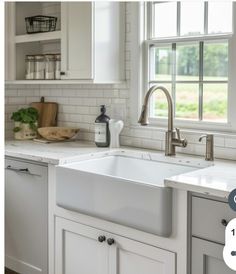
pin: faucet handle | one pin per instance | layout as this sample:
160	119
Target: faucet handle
178	133
183	142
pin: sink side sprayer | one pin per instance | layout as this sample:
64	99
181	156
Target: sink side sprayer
170	138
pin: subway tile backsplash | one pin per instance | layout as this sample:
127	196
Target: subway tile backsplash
79	106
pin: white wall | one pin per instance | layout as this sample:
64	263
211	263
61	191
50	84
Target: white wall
79	106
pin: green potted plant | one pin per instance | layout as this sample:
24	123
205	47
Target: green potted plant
26	120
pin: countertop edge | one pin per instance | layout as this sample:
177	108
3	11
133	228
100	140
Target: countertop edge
32	158
197	189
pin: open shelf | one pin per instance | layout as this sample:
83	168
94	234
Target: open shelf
38	37
69	82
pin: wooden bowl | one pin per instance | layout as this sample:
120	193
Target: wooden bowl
57	133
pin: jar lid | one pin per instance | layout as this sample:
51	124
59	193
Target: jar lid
29	57
49	56
57	56
39	57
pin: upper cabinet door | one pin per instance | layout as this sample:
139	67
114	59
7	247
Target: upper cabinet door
77	40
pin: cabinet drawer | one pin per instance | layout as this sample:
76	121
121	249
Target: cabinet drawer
207	216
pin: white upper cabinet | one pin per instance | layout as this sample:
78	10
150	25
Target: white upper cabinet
77	40
89	36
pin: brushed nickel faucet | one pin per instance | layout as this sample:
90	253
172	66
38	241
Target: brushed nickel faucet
170	138
209	146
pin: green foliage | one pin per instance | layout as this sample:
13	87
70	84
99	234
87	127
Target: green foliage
16	129
213	109
188	60
215	58
27	116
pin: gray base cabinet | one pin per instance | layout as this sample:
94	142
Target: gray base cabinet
209	217
207	258
80	250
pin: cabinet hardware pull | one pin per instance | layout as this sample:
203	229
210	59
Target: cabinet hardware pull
110	241
101	238
62	73
224	222
22	170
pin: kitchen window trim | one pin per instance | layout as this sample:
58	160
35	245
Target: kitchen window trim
139	65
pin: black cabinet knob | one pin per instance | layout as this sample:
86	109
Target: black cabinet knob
62	73
224	222
110	241
101	238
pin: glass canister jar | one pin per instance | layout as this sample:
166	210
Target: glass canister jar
49	66
29	67
57	66
39	67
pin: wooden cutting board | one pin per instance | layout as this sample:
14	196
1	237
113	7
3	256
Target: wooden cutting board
47	113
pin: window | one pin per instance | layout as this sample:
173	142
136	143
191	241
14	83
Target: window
188	53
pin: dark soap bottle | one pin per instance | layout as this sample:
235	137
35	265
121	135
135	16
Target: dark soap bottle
102	134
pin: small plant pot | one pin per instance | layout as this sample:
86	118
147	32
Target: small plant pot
24	132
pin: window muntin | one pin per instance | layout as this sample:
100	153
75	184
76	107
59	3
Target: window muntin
195	71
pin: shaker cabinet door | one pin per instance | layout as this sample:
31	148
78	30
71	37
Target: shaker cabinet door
78	250
132	257
77	40
207	258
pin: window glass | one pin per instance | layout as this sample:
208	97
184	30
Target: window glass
219	17
165	19
194	70
159	106
187	62
162	57
215	61
215	102
192	18
186	106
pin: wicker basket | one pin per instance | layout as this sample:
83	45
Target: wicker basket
40	23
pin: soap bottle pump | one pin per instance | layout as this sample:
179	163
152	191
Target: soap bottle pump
102	134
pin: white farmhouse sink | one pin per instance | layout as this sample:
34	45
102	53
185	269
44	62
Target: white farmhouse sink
121	188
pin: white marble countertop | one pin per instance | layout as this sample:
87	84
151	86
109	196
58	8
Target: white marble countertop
218	180
53	153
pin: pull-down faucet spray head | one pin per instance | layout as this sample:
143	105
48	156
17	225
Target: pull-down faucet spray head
143	119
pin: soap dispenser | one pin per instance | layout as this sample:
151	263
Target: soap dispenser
102	134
